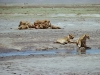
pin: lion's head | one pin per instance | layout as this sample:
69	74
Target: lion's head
23	27
87	36
71	36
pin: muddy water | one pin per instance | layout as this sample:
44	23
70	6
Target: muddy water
49	52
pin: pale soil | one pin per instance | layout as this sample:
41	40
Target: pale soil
12	39
32	39
60	65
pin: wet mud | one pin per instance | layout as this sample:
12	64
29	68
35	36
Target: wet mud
47	52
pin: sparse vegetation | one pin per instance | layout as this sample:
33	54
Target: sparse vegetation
50	10
47	11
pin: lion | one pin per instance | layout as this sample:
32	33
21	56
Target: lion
26	23
23	27
23	23
47	23
81	42
65	40
42	24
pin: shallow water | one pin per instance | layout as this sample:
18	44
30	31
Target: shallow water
49	52
89	51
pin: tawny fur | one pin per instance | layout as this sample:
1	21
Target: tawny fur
81	42
24	23
65	40
23	27
44	24
38	24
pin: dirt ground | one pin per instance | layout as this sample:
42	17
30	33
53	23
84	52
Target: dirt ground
12	39
37	39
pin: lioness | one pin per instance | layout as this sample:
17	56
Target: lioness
23	27
42	24
22	23
81	42
65	40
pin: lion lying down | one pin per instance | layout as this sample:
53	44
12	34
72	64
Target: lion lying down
38	24
44	24
65	40
41	24
24	25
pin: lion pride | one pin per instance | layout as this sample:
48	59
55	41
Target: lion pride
65	40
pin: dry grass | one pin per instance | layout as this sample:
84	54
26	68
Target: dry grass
51	9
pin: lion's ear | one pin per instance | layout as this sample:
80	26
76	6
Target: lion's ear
70	34
86	35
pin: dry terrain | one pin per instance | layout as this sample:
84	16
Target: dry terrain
72	20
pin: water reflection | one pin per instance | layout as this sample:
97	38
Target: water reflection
49	52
